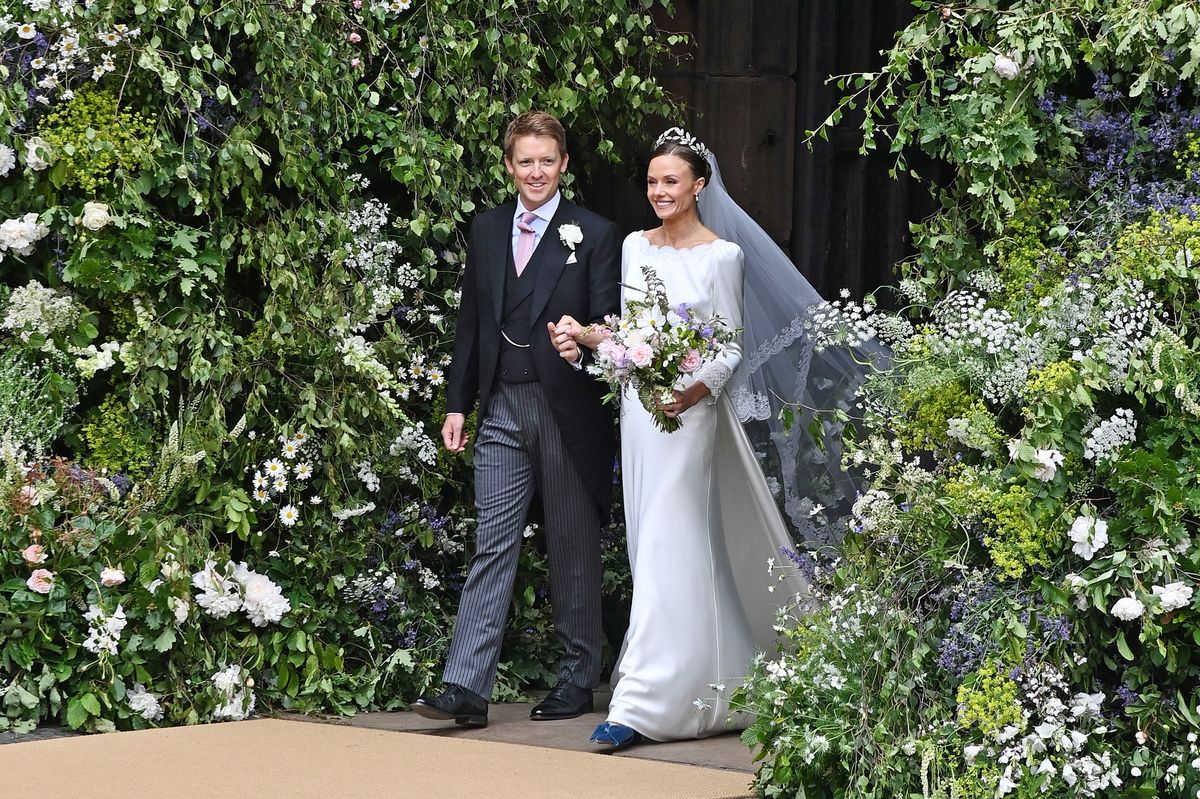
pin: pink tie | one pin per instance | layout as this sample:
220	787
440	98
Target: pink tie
525	242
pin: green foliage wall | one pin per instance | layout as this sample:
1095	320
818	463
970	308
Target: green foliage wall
233	235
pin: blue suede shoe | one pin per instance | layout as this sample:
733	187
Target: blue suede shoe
616	736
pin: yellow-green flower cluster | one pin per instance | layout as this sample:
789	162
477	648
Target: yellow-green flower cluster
989	702
1051	380
116	441
925	425
90	137
1022	252
1014	539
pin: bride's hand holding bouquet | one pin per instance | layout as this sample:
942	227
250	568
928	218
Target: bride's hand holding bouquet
652	349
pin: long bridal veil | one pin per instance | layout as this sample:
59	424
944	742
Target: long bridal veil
781	367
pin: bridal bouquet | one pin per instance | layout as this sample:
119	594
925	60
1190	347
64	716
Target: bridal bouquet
653	346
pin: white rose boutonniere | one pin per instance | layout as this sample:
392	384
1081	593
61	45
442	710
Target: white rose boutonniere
570	235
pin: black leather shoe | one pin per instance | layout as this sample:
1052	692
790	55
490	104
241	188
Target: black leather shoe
456	702
565	701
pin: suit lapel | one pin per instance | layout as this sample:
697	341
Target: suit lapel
499	248
551	256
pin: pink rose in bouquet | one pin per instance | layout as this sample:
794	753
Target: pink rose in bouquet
653	346
642	355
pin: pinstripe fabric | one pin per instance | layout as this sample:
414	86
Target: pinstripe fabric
517	451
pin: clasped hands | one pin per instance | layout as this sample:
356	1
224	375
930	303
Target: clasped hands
567	337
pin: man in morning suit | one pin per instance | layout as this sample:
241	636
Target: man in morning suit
542	424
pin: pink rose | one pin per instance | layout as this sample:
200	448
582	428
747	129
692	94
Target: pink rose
641	355
110	577
34	554
354	62
354	37
358	3
607	349
690	362
41	581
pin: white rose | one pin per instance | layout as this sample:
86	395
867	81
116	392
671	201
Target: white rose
570	235
37	154
1173	596
1128	608
1048	462
8	159
95	215
1006	67
1090	536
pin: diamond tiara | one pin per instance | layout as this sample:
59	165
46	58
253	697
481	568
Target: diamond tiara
681	136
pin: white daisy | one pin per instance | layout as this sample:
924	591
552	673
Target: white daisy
259	480
280	485
261	494
274	467
27	31
414	71
289	515
303	471
291	449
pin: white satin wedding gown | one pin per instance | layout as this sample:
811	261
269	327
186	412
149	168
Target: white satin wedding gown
700	526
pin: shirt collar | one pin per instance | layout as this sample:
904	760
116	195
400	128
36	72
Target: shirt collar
546	212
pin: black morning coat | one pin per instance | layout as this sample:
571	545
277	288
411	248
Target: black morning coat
587	290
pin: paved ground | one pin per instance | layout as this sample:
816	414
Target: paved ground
511	724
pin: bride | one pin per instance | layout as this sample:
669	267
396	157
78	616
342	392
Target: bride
701	521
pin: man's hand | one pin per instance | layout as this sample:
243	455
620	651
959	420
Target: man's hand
560	337
452	432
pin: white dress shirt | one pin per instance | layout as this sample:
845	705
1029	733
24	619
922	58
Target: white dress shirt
539	225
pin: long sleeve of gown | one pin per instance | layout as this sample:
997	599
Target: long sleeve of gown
727	304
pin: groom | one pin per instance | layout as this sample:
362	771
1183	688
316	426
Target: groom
542	426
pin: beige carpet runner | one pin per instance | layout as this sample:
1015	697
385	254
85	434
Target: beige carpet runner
273	757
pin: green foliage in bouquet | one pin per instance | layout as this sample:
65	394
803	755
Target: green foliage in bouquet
1014	611
231	239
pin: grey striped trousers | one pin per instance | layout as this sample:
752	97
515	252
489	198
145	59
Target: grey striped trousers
517	451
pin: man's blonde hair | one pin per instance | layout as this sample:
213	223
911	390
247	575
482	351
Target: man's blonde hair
535	123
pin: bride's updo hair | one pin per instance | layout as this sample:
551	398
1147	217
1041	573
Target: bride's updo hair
681	144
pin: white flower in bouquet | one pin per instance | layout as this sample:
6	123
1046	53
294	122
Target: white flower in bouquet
8	159
1173	596
144	703
1048	461
110	577
95	215
1128	608
1089	535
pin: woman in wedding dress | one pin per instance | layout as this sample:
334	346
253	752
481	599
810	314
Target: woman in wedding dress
692	526
702	524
